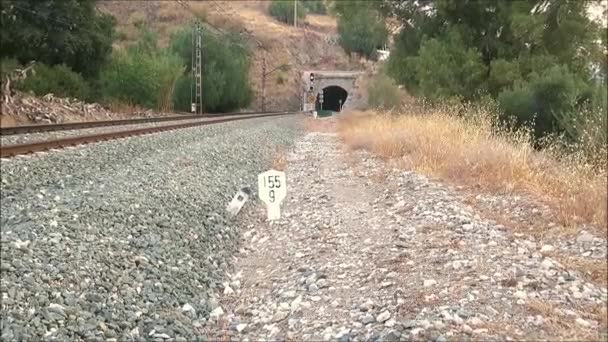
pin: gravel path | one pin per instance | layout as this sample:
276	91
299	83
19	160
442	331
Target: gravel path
366	253
127	239
36	137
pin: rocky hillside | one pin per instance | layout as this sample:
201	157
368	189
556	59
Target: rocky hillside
309	46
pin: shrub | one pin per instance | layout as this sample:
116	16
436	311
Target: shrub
73	33
383	93
59	80
282	10
363	32
547	101
141	78
226	65
314	6
446	67
281	78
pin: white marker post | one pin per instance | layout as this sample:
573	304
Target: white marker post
272	187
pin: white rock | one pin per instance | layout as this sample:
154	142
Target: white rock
456	264
546	264
295	304
582	322
386	284
236	284
584	237
416	331
429	282
520	295
241	327
217	312
284	307
475	321
289	294
188	308
279	316
383	317
547	249
228	291
390	323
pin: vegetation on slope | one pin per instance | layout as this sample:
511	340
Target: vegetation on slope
71	43
361	26
283	10
540	59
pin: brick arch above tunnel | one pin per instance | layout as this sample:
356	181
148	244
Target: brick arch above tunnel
332	81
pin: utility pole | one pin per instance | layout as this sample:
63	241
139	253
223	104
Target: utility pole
295	13
264	82
197	69
265	73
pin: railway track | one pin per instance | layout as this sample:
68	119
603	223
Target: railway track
8	151
25	129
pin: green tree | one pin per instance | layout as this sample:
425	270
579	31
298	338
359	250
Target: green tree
142	75
59	80
362	32
226	85
314	6
445	67
282	10
508	49
70	32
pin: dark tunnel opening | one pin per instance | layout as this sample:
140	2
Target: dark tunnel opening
333	98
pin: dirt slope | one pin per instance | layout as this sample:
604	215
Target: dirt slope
309	46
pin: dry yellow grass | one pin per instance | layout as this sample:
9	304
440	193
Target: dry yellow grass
280	160
438	143
564	328
326	125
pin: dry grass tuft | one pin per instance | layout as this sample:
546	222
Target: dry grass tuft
326	125
279	162
594	270
441	143
564	327
125	108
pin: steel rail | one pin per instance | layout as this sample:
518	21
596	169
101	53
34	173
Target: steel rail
20	149
25	129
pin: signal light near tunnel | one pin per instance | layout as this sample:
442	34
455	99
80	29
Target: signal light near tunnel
312	77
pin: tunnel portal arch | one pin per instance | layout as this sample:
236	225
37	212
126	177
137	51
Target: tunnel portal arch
334	98
336	85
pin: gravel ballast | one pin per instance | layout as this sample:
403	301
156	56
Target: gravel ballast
128	239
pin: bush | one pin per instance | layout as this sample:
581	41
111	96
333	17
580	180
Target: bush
226	85
73	33
281	78
59	80
145	79
551	101
383	93
282	10
363	32
142	75
446	68
315	6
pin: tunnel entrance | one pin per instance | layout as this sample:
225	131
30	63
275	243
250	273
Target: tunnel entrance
333	99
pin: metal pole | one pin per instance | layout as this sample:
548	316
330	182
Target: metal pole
192	68
264	83
295	13
199	69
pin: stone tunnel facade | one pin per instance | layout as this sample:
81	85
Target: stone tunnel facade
340	91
